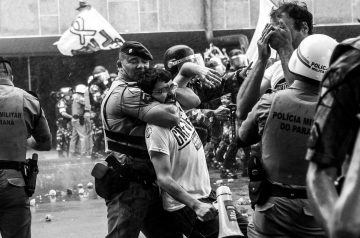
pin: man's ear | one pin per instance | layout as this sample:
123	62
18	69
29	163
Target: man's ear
304	28
118	64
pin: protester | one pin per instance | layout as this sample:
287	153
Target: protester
186	192
332	143
207	120
291	22
125	111
23	124
282	121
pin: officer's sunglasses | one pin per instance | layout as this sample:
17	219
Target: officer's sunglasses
170	88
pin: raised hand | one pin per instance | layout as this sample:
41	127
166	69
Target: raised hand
264	51
209	77
281	37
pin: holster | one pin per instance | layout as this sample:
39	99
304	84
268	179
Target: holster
114	177
259	186
30	171
108	179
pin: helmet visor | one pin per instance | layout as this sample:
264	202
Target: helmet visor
195	58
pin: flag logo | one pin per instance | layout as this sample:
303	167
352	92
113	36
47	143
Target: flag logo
88	33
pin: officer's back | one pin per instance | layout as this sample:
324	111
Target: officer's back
22	124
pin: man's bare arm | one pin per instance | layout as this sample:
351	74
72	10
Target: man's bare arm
346	219
185	96
165	115
249	92
321	191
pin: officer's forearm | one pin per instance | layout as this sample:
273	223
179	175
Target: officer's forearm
187	98
249	91
322	192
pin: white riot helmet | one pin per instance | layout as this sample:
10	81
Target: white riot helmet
80	88
311	59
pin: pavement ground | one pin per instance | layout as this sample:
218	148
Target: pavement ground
86	216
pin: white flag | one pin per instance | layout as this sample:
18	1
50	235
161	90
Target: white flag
89	32
264	17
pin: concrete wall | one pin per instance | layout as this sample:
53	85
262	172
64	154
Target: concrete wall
52	17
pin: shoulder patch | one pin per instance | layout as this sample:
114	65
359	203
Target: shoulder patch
148	132
134	89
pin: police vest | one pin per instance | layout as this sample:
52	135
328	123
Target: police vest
285	136
77	108
133	143
13	131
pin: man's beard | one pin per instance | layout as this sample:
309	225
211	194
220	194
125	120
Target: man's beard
170	99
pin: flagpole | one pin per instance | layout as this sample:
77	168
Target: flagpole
29	72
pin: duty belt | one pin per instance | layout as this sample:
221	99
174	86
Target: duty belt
292	193
4	164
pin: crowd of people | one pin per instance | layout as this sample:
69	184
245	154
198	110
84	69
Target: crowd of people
292	121
79	128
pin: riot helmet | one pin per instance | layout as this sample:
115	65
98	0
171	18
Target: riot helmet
311	59
99	76
80	88
177	55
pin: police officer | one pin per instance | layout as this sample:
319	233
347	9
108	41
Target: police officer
282	120
332	143
22	123
81	132
63	121
135	204
98	84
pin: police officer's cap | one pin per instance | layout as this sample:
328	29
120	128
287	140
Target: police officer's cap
135	48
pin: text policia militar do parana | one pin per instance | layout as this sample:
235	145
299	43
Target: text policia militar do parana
293	123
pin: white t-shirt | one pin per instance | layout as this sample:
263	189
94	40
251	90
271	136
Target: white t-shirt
275	75
187	159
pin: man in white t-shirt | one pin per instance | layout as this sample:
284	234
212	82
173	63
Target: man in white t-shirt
290	23
180	165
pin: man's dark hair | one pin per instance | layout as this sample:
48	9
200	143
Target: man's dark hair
297	11
149	77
